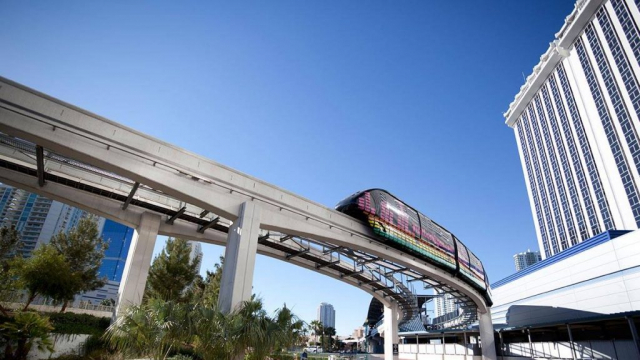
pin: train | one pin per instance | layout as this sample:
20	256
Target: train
399	225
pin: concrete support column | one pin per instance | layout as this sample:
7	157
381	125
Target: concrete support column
136	268
390	330
240	258
634	334
573	350
486	336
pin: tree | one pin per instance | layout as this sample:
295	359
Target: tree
152	329
108	302
157	328
20	333
47	273
83	249
290	327
205	291
255	328
328	342
172	272
10	244
317	328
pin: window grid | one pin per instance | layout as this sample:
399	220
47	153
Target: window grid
628	26
543	195
588	159
623	118
547	155
534	190
554	164
575	161
628	76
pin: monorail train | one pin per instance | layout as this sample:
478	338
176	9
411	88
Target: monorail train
399	225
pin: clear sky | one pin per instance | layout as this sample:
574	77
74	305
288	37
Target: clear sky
321	98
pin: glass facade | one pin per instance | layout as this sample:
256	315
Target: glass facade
119	237
25	211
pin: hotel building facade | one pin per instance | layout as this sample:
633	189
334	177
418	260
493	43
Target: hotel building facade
577	127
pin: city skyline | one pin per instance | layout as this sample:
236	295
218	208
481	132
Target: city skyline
318	109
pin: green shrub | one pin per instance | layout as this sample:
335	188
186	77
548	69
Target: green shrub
69	357
180	357
283	357
70	323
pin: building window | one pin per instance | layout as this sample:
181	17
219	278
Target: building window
628	26
588	159
542	152
607	121
551	116
551	246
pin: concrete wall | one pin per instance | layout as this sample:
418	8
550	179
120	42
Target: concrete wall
63	344
604	279
437	351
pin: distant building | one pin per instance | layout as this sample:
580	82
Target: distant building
358	333
445	305
36	217
577	125
196	252
525	259
327	315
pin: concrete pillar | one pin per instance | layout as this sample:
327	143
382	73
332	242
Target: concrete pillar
390	330
240	258
573	350
486	336
634	334
136	268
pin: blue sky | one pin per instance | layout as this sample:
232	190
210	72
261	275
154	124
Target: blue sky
322	98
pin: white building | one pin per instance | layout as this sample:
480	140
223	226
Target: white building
598	276
576	124
196	252
445	304
525	259
327	315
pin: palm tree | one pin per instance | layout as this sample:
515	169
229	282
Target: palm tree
317	328
153	329
158	328
214	334
254	328
290	328
331	332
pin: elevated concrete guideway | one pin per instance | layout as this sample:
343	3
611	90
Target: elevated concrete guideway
157	188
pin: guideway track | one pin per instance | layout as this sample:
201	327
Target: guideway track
182	179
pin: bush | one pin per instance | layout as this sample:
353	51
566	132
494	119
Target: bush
180	357
70	323
283	357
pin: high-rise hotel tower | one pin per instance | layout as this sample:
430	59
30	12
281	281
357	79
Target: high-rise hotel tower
577	126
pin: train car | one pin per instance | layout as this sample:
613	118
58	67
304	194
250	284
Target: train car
396	223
